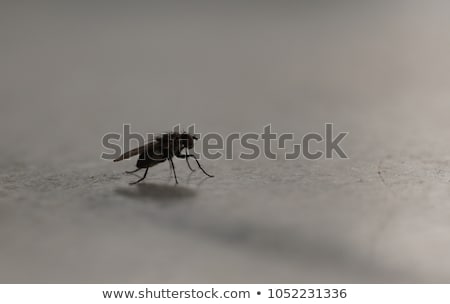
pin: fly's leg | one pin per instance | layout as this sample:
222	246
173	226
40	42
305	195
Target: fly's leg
201	168
141	179
131	172
187	161
198	163
173	168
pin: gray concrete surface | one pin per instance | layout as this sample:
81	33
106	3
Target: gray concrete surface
71	72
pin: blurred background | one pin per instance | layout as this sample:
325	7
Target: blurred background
71	71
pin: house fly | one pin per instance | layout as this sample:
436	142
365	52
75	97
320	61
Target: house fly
163	147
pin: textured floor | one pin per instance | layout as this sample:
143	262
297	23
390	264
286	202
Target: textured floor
71	73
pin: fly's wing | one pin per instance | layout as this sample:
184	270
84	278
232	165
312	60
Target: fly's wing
131	153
